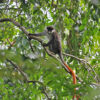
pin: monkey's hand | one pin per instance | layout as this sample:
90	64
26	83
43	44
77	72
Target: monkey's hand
30	36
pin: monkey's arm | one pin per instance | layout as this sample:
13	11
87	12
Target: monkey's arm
37	34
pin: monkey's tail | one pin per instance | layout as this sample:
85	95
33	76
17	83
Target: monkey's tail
69	69
71	72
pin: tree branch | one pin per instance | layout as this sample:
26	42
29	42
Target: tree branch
15	23
86	63
21	28
27	80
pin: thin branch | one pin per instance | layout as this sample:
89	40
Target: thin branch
27	80
96	84
11	43
79	59
18	68
10	8
31	46
84	62
96	77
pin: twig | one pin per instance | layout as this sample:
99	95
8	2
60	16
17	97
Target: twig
31	46
11	43
73	56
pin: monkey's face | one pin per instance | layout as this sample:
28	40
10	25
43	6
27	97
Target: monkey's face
50	29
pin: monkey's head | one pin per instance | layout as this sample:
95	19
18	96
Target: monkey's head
50	29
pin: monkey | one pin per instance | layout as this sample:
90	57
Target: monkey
54	45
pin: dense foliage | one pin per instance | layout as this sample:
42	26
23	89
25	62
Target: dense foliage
78	24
